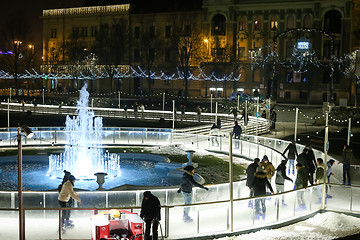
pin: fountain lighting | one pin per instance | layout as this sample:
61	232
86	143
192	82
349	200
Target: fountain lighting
84	154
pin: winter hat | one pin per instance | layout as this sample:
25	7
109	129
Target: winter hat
256	160
147	194
265	158
71	178
189	168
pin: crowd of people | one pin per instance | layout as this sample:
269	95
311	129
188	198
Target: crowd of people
309	171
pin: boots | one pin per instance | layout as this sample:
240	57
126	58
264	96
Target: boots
68	223
187	218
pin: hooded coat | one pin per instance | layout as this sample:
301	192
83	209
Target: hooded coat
281	174
269	169
250	172
67	191
188	181
302	178
259	184
347	156
320	175
150	208
292	151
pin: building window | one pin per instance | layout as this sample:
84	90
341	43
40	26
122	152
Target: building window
332	22
167	55
218	25
241	51
167	31
274	23
53	33
93	31
83	32
137	32
187	30
287	95
152	54
289	48
152	32
75	32
290	21
242	24
136	55
307	21
257	24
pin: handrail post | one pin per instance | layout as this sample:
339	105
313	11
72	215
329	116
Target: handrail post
167	222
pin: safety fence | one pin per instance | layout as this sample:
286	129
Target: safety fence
254	125
213	211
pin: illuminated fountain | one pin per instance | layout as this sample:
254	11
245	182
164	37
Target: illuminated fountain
84	155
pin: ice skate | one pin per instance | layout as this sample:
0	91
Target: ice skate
68	224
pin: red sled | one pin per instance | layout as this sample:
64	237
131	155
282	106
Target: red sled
117	224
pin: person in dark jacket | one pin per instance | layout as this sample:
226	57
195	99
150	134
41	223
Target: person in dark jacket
250	172
302	157
347	156
310	164
280	180
187	182
237	133
301	182
150	212
292	155
259	184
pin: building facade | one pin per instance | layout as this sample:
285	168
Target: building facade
288	50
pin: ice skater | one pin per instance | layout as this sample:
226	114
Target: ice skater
258	185
187	182
66	192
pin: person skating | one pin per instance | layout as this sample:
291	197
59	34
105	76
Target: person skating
66	192
150	212
214	133
301	182
250	174
237	133
347	157
329	173
187	182
310	163
280	180
258	185
320	177
292	155
268	166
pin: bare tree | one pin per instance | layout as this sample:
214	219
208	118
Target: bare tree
111	46
150	45
16	36
188	43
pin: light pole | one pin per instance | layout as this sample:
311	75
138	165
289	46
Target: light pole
28	133
273	85
17	55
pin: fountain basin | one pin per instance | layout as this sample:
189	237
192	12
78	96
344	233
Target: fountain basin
137	169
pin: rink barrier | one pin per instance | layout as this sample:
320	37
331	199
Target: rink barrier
248	147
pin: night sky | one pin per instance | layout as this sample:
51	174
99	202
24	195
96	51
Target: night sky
32	11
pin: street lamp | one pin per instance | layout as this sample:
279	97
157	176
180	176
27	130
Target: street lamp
28	133
273	84
207	48
17	44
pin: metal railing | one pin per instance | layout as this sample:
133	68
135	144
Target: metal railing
216	199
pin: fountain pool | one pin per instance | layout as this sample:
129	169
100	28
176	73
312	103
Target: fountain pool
136	169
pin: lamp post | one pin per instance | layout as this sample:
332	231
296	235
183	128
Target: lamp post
273	85
17	45
28	133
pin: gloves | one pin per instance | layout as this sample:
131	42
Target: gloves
206	188
179	190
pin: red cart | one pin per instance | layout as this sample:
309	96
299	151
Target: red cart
117	224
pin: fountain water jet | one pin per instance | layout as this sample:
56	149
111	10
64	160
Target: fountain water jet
84	155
